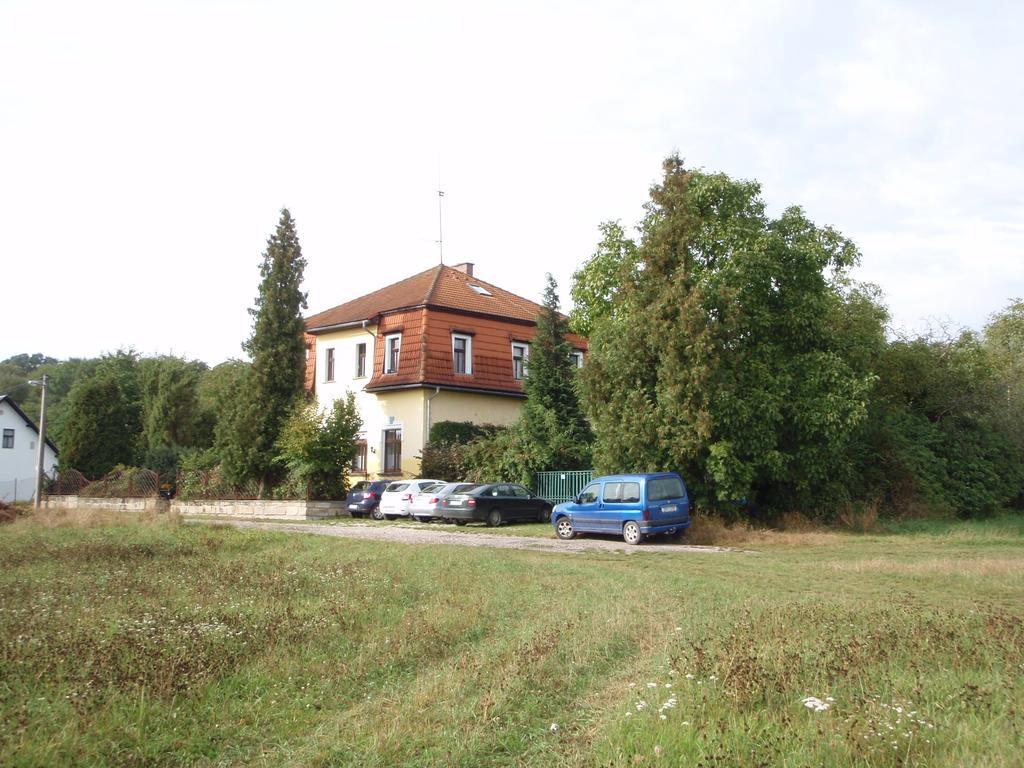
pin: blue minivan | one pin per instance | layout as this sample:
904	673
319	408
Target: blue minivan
631	506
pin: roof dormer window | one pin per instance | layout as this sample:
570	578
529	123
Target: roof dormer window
481	290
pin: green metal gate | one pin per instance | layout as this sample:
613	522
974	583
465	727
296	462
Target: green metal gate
557	487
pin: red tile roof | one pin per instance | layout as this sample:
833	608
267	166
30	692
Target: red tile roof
439	287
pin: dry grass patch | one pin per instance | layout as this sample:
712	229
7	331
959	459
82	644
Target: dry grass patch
989	566
710	530
94	518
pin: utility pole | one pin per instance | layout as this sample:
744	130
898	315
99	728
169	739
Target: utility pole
41	453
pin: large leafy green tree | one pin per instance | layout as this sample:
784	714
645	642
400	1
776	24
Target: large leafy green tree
171	418
248	433
719	354
101	426
1004	340
318	448
596	285
936	434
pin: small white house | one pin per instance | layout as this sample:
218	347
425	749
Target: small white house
19	438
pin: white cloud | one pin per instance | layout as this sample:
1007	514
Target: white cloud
146	148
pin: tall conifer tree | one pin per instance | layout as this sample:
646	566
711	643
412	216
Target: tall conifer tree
550	383
247	435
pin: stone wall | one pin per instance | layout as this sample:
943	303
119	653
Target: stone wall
261	509
148	504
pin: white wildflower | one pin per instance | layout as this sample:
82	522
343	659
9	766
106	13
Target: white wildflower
554	728
813	702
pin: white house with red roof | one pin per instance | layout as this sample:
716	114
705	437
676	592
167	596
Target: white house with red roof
442	345
19	438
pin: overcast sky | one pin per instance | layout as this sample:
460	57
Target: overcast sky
146	148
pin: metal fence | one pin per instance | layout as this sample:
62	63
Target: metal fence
127	483
561	486
66	483
18	489
210	484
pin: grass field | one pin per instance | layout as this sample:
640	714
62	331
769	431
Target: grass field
144	642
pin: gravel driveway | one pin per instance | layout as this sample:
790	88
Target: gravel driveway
421	534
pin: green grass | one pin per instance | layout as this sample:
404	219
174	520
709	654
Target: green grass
147	643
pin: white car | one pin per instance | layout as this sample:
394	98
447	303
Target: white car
394	502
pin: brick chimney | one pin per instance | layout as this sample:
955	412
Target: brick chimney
466	266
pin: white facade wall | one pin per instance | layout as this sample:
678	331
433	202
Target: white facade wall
18	464
371	409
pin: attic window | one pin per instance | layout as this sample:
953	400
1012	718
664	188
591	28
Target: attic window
481	290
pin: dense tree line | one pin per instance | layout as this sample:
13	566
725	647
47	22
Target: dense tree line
124	409
734	347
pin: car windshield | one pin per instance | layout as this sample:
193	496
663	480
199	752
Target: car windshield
471	488
432	487
396	487
661	488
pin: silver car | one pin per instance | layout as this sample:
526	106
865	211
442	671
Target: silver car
426	506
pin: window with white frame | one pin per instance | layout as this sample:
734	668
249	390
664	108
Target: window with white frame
577	358
520	354
462	354
329	364
392	350
361	360
8	438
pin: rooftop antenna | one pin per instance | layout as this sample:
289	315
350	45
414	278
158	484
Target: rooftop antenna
440	235
440	197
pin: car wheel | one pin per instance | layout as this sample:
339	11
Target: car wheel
631	533
423	519
564	529
377	514
460	522
544	516
494	518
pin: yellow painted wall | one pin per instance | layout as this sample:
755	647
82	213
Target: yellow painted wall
479	409
402	408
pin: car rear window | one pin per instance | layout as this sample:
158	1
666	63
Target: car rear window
432	487
396	487
622	493
361	486
661	488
